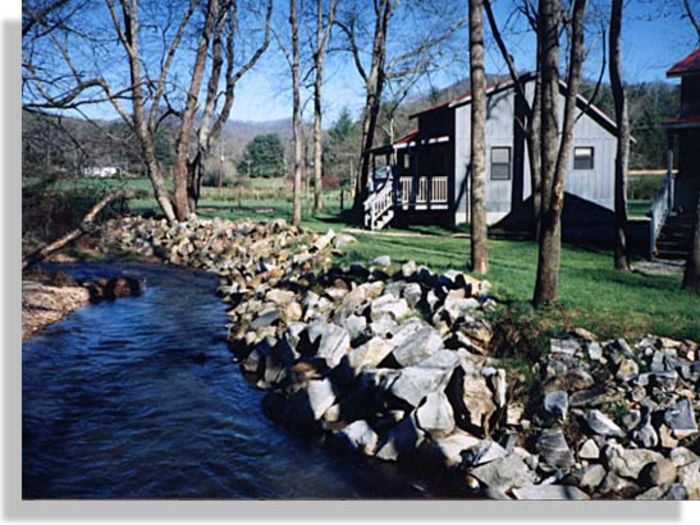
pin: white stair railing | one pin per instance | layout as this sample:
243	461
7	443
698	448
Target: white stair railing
378	207
659	211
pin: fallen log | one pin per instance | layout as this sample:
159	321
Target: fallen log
86	225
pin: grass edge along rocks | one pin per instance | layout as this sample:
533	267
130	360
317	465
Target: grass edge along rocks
401	366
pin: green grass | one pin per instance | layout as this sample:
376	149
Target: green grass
592	294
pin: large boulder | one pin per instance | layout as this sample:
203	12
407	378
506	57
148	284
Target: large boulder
435	415
554	450
431	375
505	473
472	400
325	340
308	404
370	354
420	346
358	436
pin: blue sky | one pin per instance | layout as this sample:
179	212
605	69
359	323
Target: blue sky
653	40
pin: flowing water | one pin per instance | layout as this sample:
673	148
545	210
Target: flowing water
139	398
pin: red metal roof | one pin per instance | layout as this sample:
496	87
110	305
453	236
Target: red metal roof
408	137
688	121
463	98
689	65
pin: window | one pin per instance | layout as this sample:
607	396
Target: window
500	163
406	160
583	158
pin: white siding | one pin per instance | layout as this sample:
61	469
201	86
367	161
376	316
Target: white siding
596	185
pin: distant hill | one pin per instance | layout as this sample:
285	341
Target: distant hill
237	133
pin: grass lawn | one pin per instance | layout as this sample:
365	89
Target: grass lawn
592	294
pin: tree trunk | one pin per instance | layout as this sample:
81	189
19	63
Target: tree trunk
555	154
691	277
621	259
85	226
533	136
550	234
322	38
479	249
318	145
296	117
374	85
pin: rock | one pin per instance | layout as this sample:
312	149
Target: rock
418	347
417	381
689	477
549	492
413	294
629	462
602	424
556	403
452	279
616	484
358	436
594	351
408	270
451	447
645	434
589	450
459	308
666	437
435	415
682	456
631	419
280	297
676	492
370	354
483	452
343	240
504	473
309	403
564	346
554	450
323	241
330	341
384	327
389	305
266	318
402	440
355	325
627	370
472	401
592	476
382	260
660	472
654	493
680	418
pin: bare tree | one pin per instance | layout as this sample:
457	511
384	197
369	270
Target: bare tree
155	67
531	126
691	276
555	152
477	77
693	17
434	25
621	259
297	137
223	59
324	23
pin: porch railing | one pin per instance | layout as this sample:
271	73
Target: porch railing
424	190
379	205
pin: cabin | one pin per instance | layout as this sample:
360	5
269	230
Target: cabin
424	176
673	210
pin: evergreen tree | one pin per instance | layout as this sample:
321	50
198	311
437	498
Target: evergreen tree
263	157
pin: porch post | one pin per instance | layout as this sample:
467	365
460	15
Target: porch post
669	171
